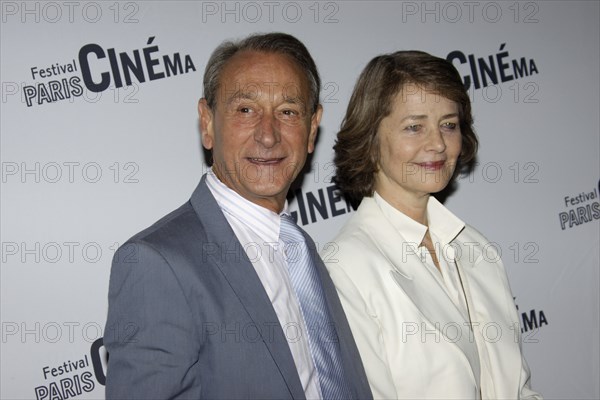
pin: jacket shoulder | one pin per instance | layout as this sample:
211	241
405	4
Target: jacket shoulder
175	236
352	238
472	234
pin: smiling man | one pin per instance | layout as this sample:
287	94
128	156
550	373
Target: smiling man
261	126
226	298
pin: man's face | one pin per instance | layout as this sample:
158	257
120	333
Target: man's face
262	126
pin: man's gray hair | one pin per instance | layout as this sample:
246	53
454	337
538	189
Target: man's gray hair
278	43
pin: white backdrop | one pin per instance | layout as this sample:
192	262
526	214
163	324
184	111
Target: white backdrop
82	171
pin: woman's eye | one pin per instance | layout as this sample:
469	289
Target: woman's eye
450	125
245	110
413	128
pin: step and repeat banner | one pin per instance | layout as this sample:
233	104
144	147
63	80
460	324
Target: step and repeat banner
100	138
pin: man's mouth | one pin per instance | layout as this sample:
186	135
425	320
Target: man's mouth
265	161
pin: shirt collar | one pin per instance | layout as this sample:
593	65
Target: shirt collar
443	224
264	222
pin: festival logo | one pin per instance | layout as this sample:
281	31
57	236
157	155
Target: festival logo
97	69
581	208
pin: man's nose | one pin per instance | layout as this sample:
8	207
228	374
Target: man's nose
267	132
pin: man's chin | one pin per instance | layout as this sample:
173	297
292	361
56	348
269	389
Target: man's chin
266	190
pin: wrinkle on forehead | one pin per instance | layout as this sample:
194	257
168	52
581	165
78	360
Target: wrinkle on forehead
249	74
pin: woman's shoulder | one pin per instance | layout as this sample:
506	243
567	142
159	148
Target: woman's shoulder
352	240
354	243
477	249
359	228
471	234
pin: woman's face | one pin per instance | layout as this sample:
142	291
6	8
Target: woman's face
419	144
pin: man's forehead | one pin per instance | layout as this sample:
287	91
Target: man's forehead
285	93
269	66
251	74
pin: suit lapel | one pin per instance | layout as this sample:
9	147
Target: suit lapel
418	284
246	284
352	364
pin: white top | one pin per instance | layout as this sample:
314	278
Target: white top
443	228
408	319
406	353
257	229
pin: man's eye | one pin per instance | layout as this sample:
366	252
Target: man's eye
245	110
290	112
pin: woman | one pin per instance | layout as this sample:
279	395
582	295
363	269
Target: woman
428	302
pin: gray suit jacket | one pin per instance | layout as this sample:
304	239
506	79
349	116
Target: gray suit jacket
189	318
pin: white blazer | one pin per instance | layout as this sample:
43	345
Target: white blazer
391	299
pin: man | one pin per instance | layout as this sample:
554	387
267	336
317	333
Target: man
211	304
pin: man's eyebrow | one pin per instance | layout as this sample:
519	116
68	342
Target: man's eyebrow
241	95
251	95
294	100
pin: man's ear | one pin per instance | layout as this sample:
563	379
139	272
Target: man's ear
315	120
206	124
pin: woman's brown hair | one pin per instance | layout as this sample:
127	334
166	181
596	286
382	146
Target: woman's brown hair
357	146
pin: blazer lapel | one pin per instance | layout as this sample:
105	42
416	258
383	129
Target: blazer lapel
246	284
440	311
419	285
353	365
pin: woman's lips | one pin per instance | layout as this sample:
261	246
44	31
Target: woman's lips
432	165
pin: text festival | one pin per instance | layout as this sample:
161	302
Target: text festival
587	210
68	386
123	68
